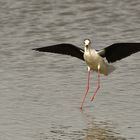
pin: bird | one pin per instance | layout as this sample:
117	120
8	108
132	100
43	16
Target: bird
96	60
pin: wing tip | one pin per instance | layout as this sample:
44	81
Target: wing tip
38	49
35	49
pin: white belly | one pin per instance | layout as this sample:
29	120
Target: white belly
93	60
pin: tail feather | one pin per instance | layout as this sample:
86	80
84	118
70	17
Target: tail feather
110	68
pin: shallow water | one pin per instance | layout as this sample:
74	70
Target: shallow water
41	93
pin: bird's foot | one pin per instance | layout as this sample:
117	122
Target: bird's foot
81	107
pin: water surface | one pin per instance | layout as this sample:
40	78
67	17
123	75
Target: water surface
41	93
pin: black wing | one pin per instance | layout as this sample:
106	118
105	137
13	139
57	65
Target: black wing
119	51
66	49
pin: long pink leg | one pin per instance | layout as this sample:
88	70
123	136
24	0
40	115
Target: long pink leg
98	84
87	89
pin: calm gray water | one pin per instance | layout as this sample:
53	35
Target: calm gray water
40	93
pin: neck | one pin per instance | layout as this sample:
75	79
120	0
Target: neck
86	48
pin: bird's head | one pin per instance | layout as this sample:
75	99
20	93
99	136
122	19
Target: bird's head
87	43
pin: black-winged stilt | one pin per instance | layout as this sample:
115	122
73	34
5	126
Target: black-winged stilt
94	58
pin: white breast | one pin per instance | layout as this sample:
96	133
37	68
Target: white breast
93	59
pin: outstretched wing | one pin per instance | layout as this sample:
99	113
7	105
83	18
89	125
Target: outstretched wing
66	49
119	51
